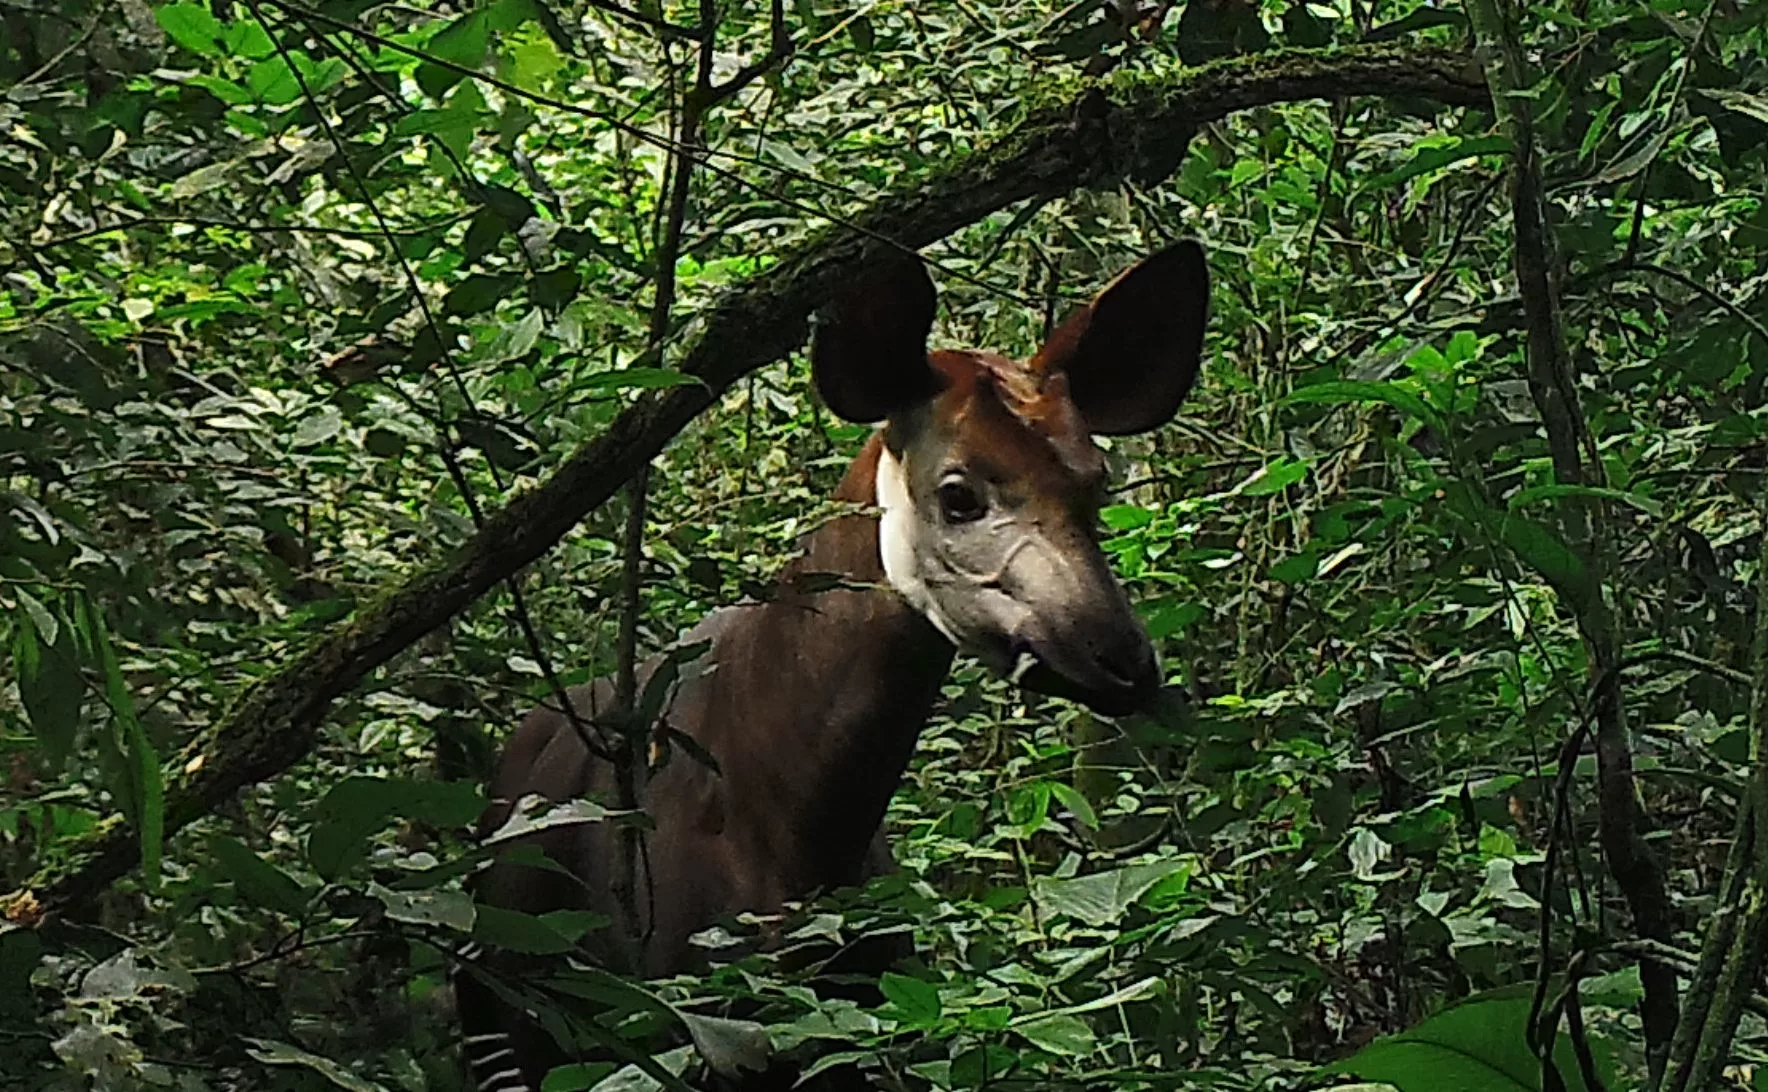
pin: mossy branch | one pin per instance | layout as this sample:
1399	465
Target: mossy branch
1081	135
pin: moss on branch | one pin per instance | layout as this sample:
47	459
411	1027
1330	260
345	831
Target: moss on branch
1075	134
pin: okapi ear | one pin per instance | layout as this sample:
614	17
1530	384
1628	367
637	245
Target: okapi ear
869	355
1132	354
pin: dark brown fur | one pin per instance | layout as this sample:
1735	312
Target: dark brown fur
810	748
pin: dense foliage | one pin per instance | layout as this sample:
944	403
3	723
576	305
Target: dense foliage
293	298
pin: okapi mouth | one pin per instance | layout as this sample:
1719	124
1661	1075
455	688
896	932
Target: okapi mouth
1101	684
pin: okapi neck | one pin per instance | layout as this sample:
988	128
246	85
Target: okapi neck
866	675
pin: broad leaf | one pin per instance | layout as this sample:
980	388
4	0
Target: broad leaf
1102	898
1479	1045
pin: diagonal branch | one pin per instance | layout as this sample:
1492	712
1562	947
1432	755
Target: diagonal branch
1135	129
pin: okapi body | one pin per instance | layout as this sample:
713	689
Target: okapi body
983	486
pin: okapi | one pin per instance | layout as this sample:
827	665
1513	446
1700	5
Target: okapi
983	487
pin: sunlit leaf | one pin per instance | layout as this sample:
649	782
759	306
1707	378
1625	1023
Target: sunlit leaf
273	1052
914	1001
1063	1035
1102	897
191	26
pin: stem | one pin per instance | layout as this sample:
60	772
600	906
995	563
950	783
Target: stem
632	753
1731	957
1553	388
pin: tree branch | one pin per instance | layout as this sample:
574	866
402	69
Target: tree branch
1136	129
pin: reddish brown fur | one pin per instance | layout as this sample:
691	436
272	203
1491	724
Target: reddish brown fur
1040	436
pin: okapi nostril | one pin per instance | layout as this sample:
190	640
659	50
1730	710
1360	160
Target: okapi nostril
1130	668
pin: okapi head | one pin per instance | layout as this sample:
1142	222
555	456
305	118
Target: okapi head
989	480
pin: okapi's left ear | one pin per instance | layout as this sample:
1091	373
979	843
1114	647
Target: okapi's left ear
1131	355
869	356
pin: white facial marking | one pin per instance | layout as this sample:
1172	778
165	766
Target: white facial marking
897	544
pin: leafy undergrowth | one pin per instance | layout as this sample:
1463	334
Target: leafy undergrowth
286	307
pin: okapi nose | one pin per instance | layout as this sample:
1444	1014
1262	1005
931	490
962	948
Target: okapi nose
1129	664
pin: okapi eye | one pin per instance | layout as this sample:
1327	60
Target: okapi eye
959	503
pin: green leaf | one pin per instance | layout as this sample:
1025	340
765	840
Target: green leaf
1135	991
49	685
1346	391
273	82
576	1077
1597	129
507	203
226	90
545	934
1068	1036
502	446
523	335
729	1046
203	179
448	909
864	36
1103	897
256	879
191	26
1541	549
916	1003
319	427
1027	805
1275	478
1125	517
272	1052
1742	102
321	76
647	378
508	15
140	785
1436	156
464	41
570	813
1169	616
441	122
978	1066
788	155
482	234
479	292
1629	165
534	61
1534	544
383	443
1296	568
1071	799
46	624
555	288
1421	19
1615	990
248	39
357	807
1479	1045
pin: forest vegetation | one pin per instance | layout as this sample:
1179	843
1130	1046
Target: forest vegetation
370	371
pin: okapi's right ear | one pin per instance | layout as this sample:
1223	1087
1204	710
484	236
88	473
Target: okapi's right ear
869	355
